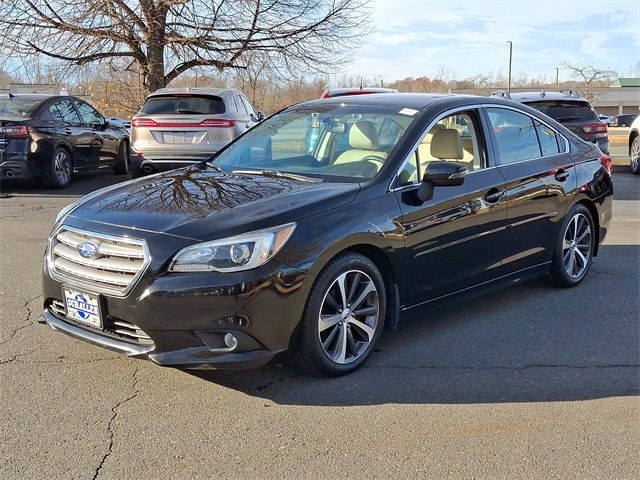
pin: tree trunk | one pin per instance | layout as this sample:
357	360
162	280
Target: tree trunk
154	67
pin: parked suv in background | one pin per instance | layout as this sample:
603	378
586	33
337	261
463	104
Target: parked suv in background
634	146
623	120
180	126
570	109
51	137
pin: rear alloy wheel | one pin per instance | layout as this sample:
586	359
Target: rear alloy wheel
574	253
122	162
60	170
344	316
635	156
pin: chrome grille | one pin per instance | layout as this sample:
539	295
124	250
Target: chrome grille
116	327
119	263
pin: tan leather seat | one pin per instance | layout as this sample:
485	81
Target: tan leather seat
363	140
446	144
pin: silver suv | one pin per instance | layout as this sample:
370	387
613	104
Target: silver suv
179	126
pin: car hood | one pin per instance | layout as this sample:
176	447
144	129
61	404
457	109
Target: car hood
206	204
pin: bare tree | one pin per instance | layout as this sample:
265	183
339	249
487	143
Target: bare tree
164	38
589	74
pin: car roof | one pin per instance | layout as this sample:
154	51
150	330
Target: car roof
416	101
216	92
542	95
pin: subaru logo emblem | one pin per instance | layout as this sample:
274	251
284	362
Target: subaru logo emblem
88	250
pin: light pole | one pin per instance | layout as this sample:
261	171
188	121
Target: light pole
510	56
557	79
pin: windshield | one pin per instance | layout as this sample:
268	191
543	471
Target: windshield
566	111
17	107
183	104
340	142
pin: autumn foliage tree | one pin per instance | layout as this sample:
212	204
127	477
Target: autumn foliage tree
161	39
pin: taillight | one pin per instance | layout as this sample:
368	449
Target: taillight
218	123
15	131
595	128
143	122
606	162
211	122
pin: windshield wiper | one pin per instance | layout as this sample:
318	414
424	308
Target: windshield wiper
188	111
276	174
210	164
565	119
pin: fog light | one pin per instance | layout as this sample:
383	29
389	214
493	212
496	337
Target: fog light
230	341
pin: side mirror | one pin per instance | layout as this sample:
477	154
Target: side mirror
261	116
440	174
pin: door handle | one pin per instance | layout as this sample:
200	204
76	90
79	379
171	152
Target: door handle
67	131
561	175
494	195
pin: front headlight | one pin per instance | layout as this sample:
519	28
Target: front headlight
233	254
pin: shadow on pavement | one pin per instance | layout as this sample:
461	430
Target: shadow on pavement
528	343
82	184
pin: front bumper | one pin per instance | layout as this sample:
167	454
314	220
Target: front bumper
198	357
184	317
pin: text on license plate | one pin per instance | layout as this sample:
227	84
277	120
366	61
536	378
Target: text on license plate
82	307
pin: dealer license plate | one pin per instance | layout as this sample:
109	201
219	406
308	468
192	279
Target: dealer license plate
82	307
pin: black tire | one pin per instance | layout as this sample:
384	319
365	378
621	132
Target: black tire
634	156
568	267
356	334
60	169
622	124
122	163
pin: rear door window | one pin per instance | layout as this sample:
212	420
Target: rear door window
548	139
515	135
566	111
183	105
90	115
63	111
247	106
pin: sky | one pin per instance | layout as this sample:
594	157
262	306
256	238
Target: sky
418	37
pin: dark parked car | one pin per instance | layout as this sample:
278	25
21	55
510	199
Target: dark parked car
51	137
571	110
623	120
405	199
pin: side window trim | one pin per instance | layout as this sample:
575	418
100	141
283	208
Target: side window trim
498	160
394	186
565	143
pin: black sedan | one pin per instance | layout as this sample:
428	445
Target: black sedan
50	137
402	200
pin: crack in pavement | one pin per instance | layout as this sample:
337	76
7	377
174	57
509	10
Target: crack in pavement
111	427
516	367
614	274
17	356
27	319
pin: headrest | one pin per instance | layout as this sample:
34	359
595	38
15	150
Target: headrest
363	136
446	143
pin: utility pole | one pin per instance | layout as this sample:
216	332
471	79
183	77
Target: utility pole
510	56
557	79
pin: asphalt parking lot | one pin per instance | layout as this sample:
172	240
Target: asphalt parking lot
528	382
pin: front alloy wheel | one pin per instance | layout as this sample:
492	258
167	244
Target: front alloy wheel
348	317
344	316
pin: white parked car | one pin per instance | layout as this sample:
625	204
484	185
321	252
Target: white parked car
634	146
